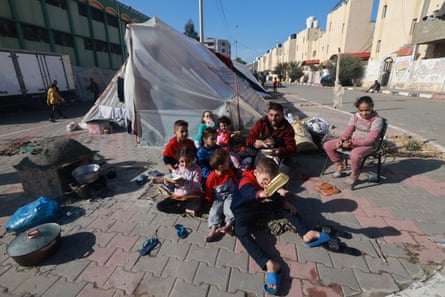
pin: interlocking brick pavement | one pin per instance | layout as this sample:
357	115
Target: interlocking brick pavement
392	224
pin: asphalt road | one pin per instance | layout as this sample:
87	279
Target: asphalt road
419	117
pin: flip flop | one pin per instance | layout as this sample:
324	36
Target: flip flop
333	232
337	246
332	191
149	245
181	231
272	278
324	187
324	237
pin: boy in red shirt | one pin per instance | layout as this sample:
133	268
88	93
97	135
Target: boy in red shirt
180	130
219	188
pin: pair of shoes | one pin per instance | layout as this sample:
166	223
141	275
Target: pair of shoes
274	279
181	231
331	191
149	245
337	246
323	238
333	232
324	186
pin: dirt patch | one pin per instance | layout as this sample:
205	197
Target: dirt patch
407	146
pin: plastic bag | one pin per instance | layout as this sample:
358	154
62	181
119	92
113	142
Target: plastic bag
40	211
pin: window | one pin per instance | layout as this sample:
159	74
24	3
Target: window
59	3
97	15
385	8
88	44
34	33
112	20
64	39
82	9
377	47
116	49
7	28
101	46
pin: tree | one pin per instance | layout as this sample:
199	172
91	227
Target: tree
281	70
189	30
351	70
295	71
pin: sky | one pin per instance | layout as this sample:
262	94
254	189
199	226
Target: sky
251	26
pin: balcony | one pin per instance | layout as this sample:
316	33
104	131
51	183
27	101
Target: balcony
429	31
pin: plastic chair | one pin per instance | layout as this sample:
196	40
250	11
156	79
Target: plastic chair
378	153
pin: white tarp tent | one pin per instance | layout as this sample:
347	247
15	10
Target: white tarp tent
169	76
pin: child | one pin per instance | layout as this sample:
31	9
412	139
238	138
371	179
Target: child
237	163
207	121
219	188
180	130
204	152
224	132
186	196
248	206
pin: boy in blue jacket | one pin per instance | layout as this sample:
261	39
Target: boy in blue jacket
249	205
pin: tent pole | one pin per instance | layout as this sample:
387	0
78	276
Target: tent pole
237	101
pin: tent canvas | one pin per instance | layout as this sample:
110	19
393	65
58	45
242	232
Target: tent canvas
169	76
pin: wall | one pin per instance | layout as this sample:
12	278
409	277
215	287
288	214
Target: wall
420	75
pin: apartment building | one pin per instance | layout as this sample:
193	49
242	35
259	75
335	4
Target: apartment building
90	31
348	28
405	45
414	57
219	45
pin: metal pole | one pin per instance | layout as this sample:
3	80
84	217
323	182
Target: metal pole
201	22
236	41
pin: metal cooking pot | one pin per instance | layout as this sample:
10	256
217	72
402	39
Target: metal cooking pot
86	174
34	245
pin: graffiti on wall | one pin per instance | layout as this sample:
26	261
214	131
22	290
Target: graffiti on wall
401	70
419	74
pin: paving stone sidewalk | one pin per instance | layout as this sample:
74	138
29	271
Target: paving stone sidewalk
395	224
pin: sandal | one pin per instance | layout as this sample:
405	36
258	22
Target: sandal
334	232
181	231
272	278
337	174
350	181
323	238
337	246
332	191
149	245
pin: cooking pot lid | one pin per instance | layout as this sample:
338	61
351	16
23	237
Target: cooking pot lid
33	239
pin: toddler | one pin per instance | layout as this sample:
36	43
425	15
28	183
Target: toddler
186	195
224	132
219	188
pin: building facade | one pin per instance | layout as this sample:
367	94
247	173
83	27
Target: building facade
404	47
414	58
348	28
219	45
90	31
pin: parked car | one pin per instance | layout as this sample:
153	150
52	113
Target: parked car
327	81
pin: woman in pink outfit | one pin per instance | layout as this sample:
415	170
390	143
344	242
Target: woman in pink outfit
360	137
